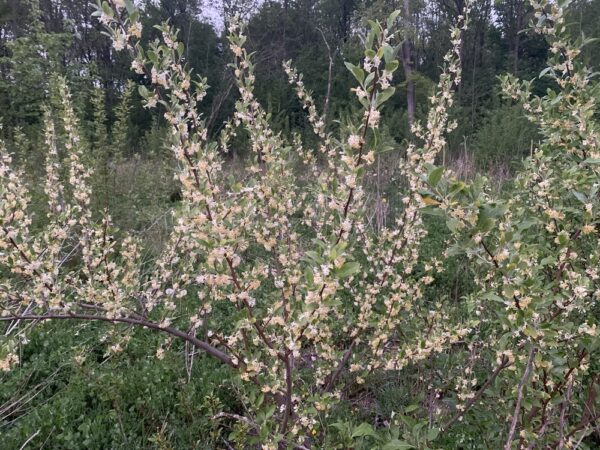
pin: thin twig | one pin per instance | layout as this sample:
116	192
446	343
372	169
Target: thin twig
503	365
237	417
29	439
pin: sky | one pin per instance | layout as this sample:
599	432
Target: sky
212	11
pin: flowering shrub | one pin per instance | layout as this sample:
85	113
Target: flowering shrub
314	298
537	251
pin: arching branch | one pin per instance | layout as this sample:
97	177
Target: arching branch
206	347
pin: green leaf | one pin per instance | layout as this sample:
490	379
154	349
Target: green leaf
348	269
338	248
358	73
143	90
308	274
369	53
457	186
494	297
129	6
319	243
544	72
385	149
364	429
313	256
375	27
435	176
452	225
392	66
260	399
557	99
529	331
526	224
338	426
579	196
396	445
388	53
385	95
392	18
269	412
491	212
106	9
432	211
411	408
370	39
432	434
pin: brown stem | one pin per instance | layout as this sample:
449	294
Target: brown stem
583	424
580	357
522	383
260	330
360	151
563	415
491	255
497	266
288	393
335	375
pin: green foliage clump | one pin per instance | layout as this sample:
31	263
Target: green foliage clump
72	392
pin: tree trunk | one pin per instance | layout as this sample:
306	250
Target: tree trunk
519	25
331	55
408	65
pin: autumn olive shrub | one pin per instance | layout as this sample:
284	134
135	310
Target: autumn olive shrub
316	300
538	254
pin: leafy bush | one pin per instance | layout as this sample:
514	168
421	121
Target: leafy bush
278	276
